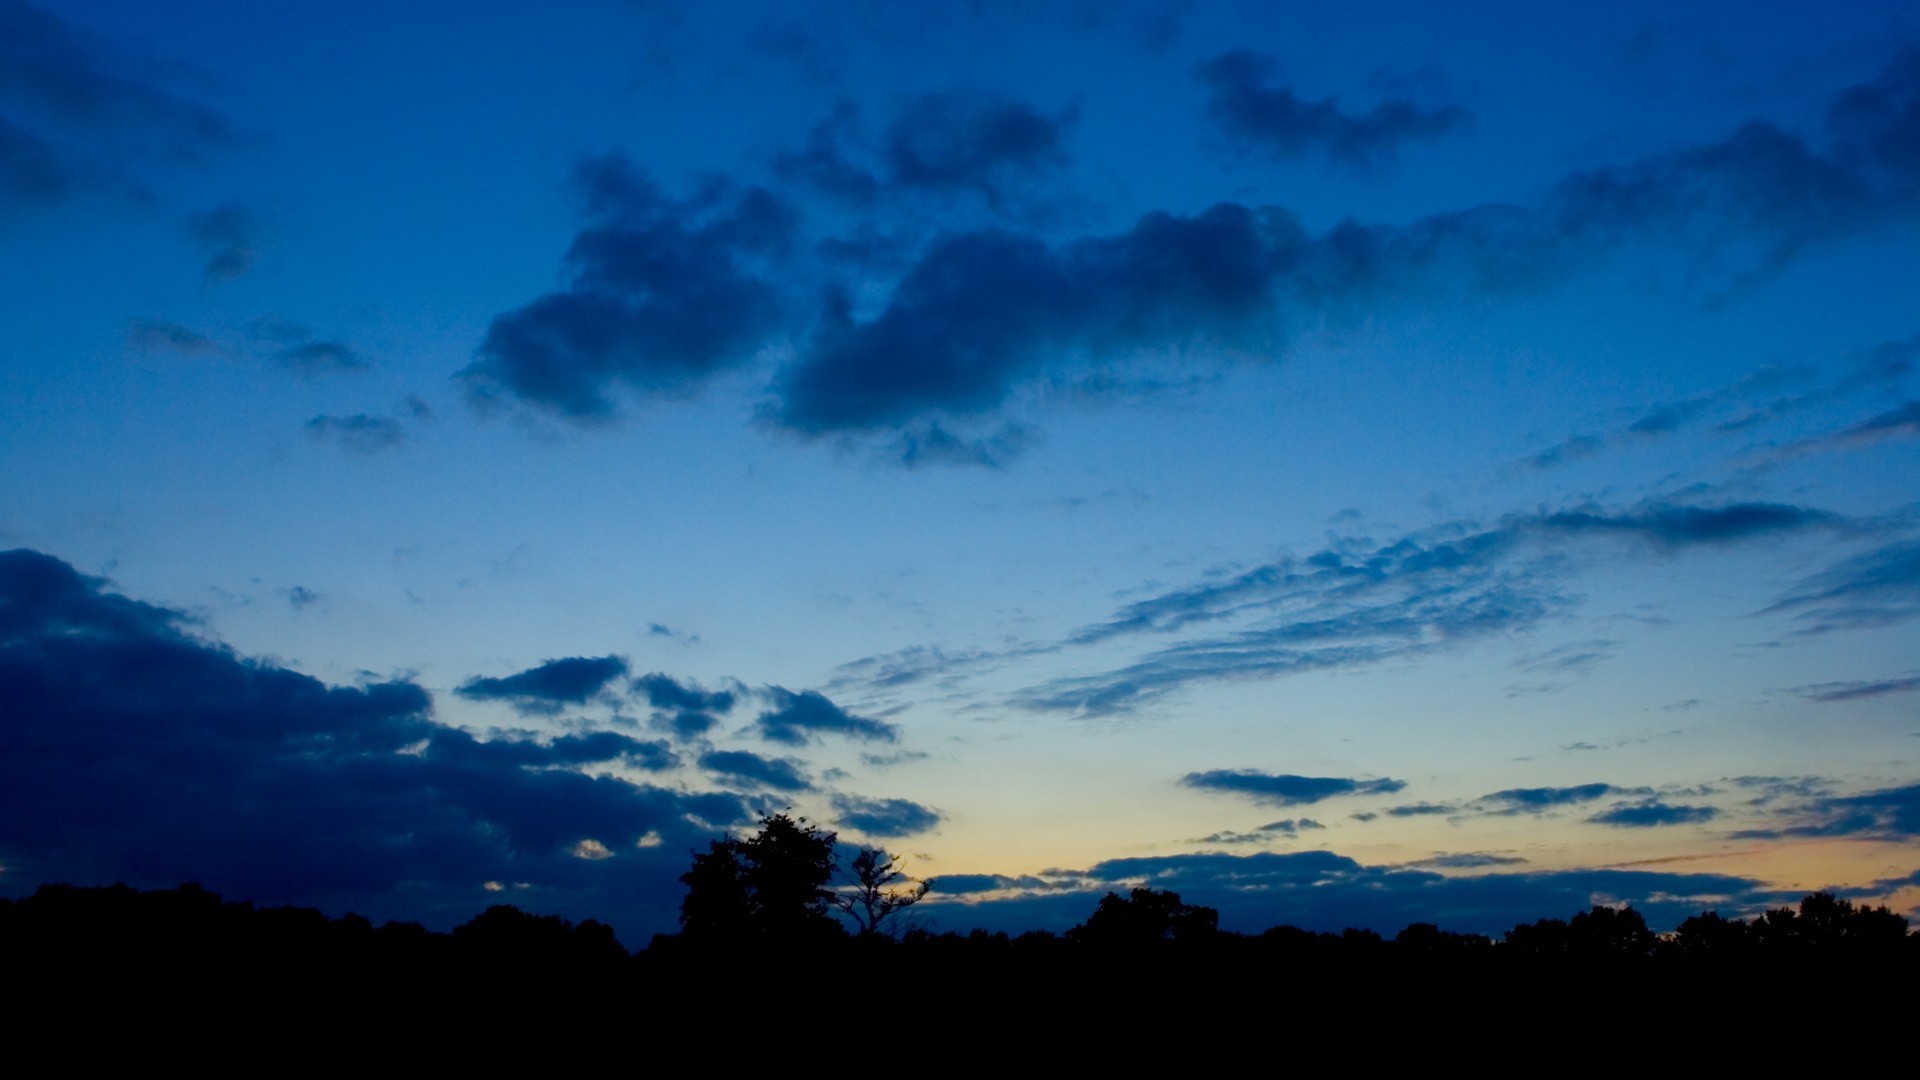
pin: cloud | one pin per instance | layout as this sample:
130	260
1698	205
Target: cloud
299	596
1887	814
1541	799
1876	588
884	818
1284	789
958	325
131	750
984	311
1881	365
661	295
1324	891
1677	526
545	689
1574	449
158	335
1466	860
1256	115
780	774
971	141
360	433
1858	690
76	119
1362	601
226	234
682	708
1652	814
795	719
1422	809
941	143
311	358
1288	827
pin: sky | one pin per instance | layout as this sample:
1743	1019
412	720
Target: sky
1351	464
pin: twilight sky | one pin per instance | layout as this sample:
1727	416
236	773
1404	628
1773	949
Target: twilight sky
1349	463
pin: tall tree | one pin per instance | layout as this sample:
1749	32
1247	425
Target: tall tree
881	890
769	886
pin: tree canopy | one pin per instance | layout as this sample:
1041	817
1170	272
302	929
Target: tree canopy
771	886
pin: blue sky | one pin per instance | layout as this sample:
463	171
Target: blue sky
1353	463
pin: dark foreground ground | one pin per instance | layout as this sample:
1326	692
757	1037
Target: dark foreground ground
115	976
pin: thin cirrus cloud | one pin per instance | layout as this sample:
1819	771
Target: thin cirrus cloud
1858	689
1876	588
1362	602
665	294
1256	115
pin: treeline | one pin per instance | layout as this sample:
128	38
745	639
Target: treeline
190	929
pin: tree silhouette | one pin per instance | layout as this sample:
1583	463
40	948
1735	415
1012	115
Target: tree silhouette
1148	917
771	886
875	897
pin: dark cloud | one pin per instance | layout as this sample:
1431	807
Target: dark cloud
1422	809
932	444
779	774
158	335
1466	860
683	707
132	751
1901	421
935	144
546	689
680	636
75	116
360	433
795	719
664	294
1887	814
884	818
1323	891
1284	789
984	311
1257	115
1573	449
824	164
1541	799
971	141
1361	601
1288	827
1877	588
661	294
299	596
566	751
1683	526
1653	813
1857	690
310	358
226	234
